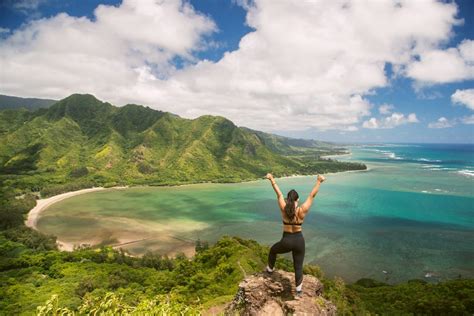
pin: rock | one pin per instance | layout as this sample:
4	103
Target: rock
274	294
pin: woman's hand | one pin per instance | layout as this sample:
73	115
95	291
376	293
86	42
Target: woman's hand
269	176
321	178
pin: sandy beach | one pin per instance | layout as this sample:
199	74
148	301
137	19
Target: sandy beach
33	215
187	248
42	204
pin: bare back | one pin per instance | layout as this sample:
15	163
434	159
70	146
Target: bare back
298	220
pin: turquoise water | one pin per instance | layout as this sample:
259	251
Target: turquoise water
409	216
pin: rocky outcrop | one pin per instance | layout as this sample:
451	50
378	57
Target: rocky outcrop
274	294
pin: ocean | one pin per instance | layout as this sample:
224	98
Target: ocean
411	215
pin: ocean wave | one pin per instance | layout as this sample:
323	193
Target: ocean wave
389	154
435	191
465	172
430	166
402	145
435	168
386	153
428	160
389	145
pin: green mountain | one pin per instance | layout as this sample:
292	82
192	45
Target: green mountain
82	138
10	102
81	141
294	146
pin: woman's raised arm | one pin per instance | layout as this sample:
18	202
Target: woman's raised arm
309	201
281	200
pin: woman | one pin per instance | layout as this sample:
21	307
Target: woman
292	240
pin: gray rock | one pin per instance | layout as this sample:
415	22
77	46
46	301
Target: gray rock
274	294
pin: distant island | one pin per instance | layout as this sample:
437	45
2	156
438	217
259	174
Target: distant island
80	142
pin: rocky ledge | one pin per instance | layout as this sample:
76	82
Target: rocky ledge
274	294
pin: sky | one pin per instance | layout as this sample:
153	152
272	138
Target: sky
344	71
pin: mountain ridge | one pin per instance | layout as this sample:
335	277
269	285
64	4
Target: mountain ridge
13	102
83	138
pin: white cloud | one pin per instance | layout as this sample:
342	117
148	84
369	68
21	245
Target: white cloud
4	30
371	123
428	95
386	109
306	64
464	97
442	66
442	122
63	54
468	119
394	120
351	128
30	8
26	4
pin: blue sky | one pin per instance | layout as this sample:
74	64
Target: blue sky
273	66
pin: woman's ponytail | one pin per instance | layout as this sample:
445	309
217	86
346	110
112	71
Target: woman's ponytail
290	208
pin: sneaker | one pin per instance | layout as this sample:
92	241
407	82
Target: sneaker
268	270
299	294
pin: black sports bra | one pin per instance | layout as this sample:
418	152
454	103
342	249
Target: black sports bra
294	224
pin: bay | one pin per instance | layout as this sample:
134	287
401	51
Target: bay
411	215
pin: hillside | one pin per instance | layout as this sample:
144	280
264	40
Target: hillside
34	277
11	102
82	139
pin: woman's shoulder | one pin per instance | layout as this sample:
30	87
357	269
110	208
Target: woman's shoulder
299	212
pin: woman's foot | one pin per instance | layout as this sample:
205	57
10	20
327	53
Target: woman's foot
299	291
269	270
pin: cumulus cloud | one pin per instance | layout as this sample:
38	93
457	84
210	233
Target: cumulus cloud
468	119
442	122
305	64
391	121
371	123
29	8
65	54
386	109
464	97
443	66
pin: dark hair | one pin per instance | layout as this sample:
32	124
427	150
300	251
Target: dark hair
290	204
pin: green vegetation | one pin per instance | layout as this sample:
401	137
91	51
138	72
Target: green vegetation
106	280
82	142
37	278
453	297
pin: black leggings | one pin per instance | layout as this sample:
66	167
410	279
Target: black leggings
293	242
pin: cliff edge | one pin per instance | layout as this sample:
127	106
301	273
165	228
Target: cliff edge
274	294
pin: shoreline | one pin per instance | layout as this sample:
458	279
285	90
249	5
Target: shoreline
41	204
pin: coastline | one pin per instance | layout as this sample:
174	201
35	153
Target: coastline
41	204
